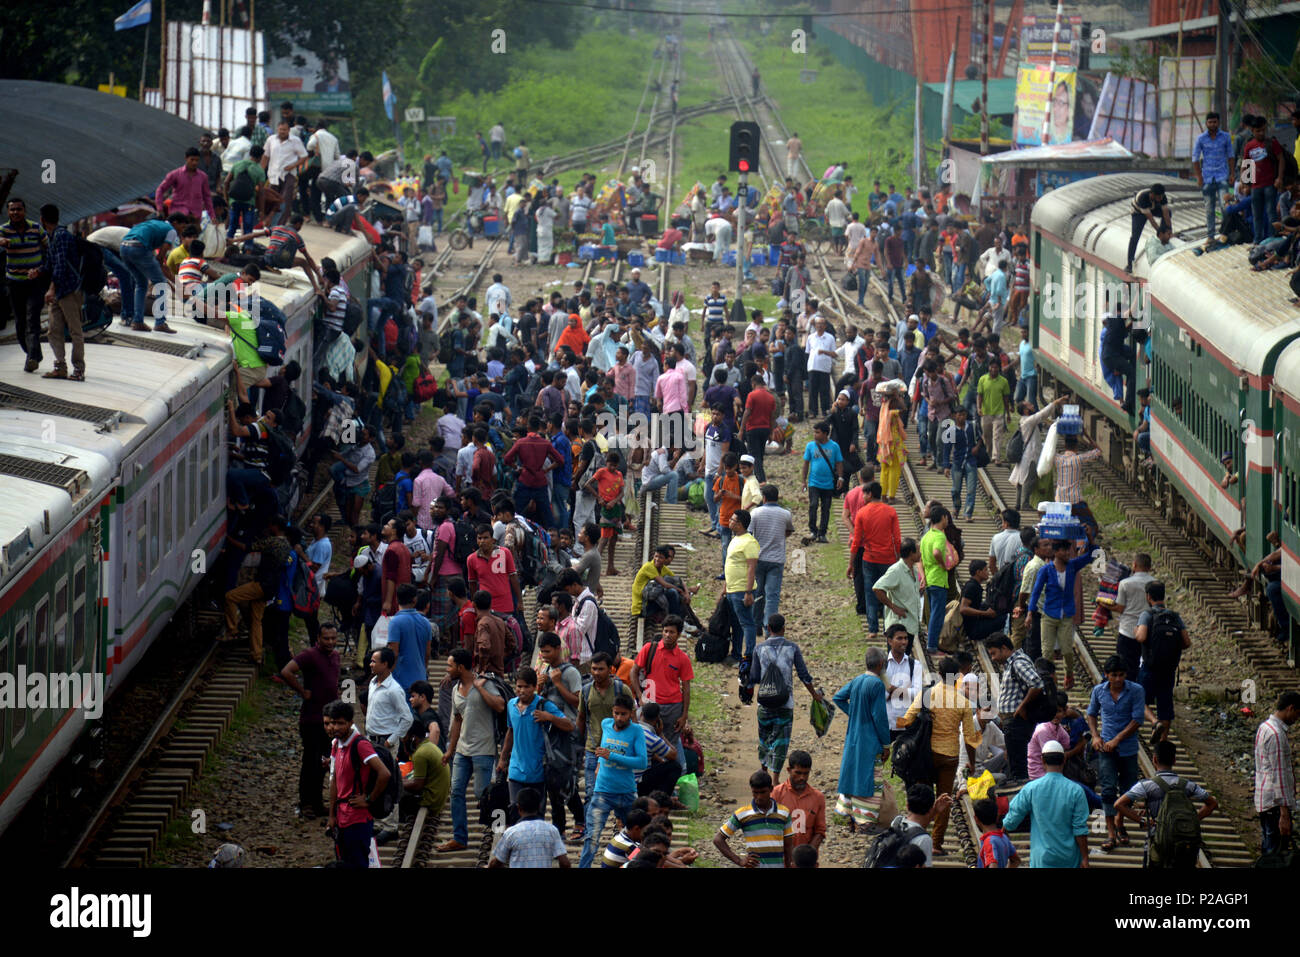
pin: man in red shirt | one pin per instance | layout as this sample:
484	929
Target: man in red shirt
663	674
807	805
490	636
756	423
671	238
395	566
1261	163
872	549
483	470
854	500
533	452
350	789
492	569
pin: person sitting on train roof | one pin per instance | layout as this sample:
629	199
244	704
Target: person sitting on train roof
1147	205
286	249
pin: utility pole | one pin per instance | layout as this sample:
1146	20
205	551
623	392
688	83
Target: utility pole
984	77
742	197
1221	38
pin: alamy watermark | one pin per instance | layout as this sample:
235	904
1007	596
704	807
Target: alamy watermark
61	691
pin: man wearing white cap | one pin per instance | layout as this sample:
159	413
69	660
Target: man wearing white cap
1059	837
751	496
638	293
910	324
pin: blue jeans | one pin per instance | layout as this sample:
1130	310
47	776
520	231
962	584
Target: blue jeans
560	504
248	485
353	844
590	765
598	811
1116	773
481	765
1263	200
969	476
768	577
125	281
436	222
938	595
670	479
147	276
243	216
541	496
745	613
871	572
725	534
958	276
863	275
1212	190
1027	388
710	502
896	273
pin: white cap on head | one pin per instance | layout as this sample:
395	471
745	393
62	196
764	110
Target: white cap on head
1053	747
747	460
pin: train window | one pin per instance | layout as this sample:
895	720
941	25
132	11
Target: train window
194	482
41	633
60	661
142	548
155	529
167	515
22	645
204	455
79	599
182	502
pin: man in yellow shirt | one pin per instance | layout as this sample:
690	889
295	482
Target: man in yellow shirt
739	570
952	712
751	495
656	570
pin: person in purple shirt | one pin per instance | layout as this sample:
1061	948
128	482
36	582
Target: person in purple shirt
314	675
724	395
1121	705
188	187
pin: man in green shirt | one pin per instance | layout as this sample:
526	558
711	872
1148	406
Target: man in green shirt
250	368
429	782
243	188
934	551
898	590
994	390
739	570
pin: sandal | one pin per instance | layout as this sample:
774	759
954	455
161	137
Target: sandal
76	377
1108	846
58	372
1123	838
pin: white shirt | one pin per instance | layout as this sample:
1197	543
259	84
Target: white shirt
837	214
855	232
849	350
584	615
418	546
282	154
816	361
497	134
497	298
657	466
326	144
387	711
465	463
905	676
573	383
687	368
991	260
1005	545
714	225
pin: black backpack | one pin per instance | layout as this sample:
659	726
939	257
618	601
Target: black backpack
1176	837
395	396
1004	589
242	187
1044	708
384	505
533	555
382	806
1164	642
711	648
446	351
607	639
1016	448
90	267
773	689
353	316
884	849
293	415
279	455
466	543
911	755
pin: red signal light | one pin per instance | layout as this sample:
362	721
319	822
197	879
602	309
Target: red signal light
744	166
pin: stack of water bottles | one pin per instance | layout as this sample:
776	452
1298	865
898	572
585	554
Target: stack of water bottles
1058	523
1070	422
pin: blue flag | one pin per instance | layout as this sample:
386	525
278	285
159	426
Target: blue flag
390	99
137	16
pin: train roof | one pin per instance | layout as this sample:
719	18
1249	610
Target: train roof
346	249
1244	314
135	382
43	484
1286	372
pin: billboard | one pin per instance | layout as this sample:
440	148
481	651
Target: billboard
211	74
1036	39
1186	95
312	85
1039	91
1127	112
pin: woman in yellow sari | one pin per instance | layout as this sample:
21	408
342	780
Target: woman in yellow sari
891	445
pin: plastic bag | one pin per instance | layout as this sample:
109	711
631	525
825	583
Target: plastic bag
979	788
820	715
1047	457
379	634
688	791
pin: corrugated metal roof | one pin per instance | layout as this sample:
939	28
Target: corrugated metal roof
1202	23
105	149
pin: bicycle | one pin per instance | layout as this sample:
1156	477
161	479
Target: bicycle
462	238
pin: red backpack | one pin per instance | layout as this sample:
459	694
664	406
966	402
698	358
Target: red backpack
425	386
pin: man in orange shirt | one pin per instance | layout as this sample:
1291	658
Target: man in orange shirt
807	805
872	549
854	500
726	492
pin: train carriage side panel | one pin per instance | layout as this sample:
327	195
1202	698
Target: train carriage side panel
1285	505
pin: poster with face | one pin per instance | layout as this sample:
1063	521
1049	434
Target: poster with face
1043	94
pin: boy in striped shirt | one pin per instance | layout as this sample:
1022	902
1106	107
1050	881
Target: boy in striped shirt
627	840
767	828
193	271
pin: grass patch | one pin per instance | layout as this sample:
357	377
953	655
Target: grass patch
699	834
178	835
1120	535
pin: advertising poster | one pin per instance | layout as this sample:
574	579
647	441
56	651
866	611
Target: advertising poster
1127	112
1036	39
1039	91
311	85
